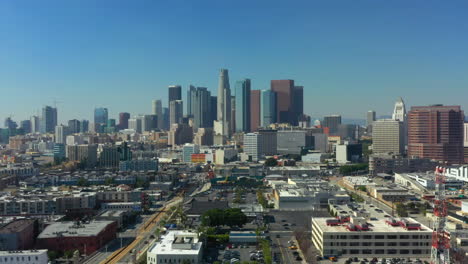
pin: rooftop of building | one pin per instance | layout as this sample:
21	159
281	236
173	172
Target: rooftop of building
31	252
72	229
376	225
165	245
16	226
295	168
112	213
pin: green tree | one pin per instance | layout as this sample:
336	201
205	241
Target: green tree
82	182
271	162
109	181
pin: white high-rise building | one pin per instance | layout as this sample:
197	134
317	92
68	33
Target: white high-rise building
465	135
61	132
135	124
399	112
222	128
154	107
253	145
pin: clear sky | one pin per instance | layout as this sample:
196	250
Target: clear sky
351	55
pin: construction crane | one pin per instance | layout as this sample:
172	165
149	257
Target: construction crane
440	236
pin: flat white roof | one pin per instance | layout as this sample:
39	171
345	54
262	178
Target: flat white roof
375	226
164	247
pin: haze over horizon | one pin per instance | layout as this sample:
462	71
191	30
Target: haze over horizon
350	56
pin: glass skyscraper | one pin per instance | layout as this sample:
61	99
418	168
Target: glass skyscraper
101	115
48	119
267	108
242	106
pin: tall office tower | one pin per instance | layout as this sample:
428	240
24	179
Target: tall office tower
399	112
346	131
465	137
166	118
213	111
123	120
101	115
159	114
149	122
135	124
35	124
175	93
48	119
267	108
200	107
73	126
436	132
61	133
110	126
298	104
26	126
242	91
255	110
284	104
369	120
253	146
387	137
84	126
108	156
332	123
232	126
83	153
10	124
269	141
190	94
176	109
222	124
154	107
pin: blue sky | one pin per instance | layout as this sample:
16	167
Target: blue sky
351	56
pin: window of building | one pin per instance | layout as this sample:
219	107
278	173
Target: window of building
379	237
391	244
366	244
380	251
391	251
379	244
404	236
415	237
367	251
354	244
417	251
367	237
391	237
404	251
354	237
343	244
343	237
354	251
404	244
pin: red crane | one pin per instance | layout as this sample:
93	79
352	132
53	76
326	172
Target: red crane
440	236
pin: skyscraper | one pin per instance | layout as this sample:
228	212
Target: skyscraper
284	90
74	126
35	124
61	132
48	119
436	132
255	110
370	118
135	124
190	94
175	93
242	91
332	122
387	136
200	106
149	122
267	108
101	115
222	125
176	109
298	104
123	120
84	126
10	124
26	126
159	114
154	107
399	112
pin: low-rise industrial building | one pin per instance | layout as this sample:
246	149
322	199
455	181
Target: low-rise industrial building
384	237
85	237
35	256
176	247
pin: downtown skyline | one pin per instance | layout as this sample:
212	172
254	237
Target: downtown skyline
92	63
